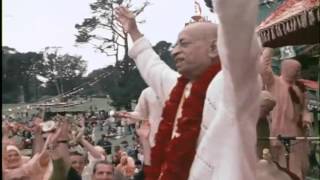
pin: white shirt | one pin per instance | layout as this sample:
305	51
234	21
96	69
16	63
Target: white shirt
149	107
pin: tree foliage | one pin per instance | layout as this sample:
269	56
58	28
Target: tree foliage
124	87
102	30
22	69
18	69
61	68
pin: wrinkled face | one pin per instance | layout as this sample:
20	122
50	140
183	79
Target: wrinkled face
103	172
290	70
77	162
191	53
13	159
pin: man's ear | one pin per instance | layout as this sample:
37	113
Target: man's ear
213	51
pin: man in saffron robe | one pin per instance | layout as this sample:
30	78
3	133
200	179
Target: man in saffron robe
208	126
290	116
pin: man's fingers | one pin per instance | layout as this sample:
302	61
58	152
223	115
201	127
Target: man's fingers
123	12
120	11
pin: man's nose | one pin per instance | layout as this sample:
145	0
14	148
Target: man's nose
175	51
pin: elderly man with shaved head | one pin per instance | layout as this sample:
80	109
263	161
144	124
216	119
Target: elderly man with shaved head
208	125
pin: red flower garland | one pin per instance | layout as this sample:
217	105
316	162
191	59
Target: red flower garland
171	159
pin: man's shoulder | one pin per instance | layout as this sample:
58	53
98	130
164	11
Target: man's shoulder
216	83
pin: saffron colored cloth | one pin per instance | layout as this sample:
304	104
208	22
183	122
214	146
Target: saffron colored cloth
288	117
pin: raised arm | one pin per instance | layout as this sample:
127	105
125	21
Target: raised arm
38	141
59	152
239	109
266	68
94	152
237	44
5	142
239	55
229	143
40	160
154	71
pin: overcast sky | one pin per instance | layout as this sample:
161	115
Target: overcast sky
31	25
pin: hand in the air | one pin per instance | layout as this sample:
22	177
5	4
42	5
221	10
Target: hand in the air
37	125
80	134
127	19
5	129
65	127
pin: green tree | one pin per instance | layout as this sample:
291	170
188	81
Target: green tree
102	30
124	87
19	69
62	69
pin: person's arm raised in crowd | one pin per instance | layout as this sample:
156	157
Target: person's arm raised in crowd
88	146
5	142
62	142
266	68
44	155
238	109
60	169
40	160
239	56
239	53
158	75
38	141
59	152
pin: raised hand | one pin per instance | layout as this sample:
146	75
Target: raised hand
37	125
126	18
5	129
80	135
128	22
52	138
65	127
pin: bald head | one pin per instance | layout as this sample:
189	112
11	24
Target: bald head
196	50
202	30
290	69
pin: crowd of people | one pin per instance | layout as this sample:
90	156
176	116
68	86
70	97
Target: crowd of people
202	121
62	153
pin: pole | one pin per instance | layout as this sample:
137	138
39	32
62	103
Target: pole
317	115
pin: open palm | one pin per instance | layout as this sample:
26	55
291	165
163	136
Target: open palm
126	19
